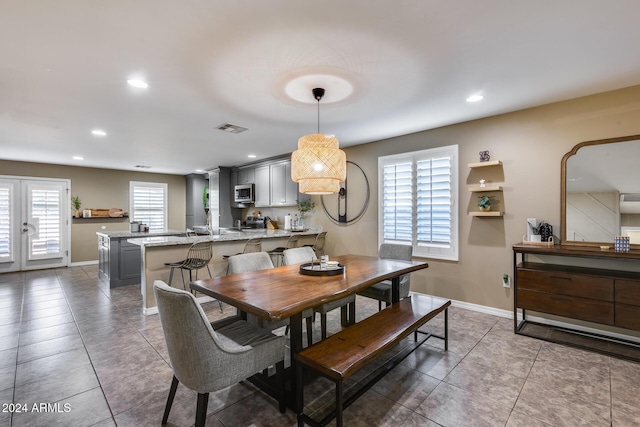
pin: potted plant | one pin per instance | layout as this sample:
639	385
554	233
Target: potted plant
484	204
75	201
304	207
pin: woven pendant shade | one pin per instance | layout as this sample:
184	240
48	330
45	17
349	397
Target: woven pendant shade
318	165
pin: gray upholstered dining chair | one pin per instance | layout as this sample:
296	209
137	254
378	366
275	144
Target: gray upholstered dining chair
307	254
207	357
255	261
382	291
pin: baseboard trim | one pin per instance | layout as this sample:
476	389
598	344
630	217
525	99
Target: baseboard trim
81	263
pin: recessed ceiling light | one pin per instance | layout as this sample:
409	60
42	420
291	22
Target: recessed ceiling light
98	132
140	84
200	170
251	156
78	158
475	98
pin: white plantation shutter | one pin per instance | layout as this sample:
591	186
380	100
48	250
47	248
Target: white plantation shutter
5	224
397	196
148	204
46	210
418	193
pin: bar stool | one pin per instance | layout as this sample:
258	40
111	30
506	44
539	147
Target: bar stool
198	257
252	245
278	253
318	246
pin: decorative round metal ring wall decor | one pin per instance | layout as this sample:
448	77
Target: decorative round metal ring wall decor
354	191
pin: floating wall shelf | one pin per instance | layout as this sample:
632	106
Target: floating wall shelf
484	164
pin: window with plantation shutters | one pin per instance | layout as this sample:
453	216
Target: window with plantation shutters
417	194
148	204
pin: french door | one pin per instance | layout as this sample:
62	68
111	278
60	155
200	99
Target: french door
34	223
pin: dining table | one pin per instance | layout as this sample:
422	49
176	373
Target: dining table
284	292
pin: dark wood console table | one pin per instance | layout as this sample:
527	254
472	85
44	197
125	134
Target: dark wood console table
603	296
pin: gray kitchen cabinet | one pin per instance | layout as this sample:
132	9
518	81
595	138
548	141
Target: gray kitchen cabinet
195	209
222	206
246	176
284	192
119	262
262	186
129	262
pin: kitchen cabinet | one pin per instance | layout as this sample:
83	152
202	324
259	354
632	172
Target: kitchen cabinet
284	192
119	262
273	186
246	176
195	208
262	186
222	207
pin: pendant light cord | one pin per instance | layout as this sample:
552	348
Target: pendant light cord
318	93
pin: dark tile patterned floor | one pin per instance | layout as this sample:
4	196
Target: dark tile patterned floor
93	359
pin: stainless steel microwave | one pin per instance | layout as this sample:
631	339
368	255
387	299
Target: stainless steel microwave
244	193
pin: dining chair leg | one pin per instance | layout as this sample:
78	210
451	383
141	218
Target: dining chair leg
172	394
201	409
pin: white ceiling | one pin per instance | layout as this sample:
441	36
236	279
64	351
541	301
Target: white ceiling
412	63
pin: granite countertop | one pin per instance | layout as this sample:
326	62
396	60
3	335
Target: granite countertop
227	236
129	235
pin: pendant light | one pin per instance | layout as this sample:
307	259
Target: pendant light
318	165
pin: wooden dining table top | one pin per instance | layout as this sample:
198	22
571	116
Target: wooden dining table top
281	292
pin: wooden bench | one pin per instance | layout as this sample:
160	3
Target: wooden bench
345	353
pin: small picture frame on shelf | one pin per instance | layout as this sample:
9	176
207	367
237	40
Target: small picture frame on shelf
86	213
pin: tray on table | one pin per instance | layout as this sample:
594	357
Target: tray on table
317	269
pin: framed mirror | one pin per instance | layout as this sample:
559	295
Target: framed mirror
600	192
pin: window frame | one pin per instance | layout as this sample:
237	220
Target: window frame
448	252
141	184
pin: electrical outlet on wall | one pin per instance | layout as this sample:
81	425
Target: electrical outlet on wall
506	281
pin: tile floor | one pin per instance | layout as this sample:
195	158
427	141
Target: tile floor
69	341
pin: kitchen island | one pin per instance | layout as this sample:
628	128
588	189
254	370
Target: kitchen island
119	261
157	250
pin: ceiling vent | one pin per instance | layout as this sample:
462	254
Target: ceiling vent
630	197
630	203
229	128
